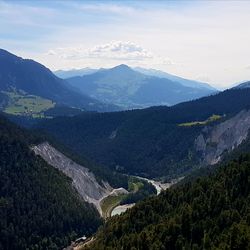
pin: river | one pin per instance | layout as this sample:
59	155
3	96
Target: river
159	186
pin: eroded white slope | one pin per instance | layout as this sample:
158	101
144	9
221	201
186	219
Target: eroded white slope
83	180
224	137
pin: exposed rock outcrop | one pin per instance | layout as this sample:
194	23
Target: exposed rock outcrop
214	141
83	180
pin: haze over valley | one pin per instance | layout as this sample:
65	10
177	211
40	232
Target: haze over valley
124	125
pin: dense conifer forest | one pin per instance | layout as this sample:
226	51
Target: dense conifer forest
212	212
124	125
39	209
146	142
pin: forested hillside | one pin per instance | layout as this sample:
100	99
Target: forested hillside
23	81
39	209
3	100
210	213
148	142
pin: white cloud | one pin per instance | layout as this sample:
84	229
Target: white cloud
116	50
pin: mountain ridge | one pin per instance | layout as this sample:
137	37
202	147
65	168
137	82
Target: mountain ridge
243	85
34	78
147	71
128	88
184	81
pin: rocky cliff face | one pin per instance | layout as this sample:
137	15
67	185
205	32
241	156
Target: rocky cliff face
214	141
83	180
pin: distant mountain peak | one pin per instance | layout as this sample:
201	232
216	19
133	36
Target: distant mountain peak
122	67
129	88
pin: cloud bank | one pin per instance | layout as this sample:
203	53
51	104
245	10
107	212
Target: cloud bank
117	50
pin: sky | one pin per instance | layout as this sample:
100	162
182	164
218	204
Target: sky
203	40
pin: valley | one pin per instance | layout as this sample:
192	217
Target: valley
204	142
160	186
99	193
143	177
124	125
147	162
147	224
151	143
116	209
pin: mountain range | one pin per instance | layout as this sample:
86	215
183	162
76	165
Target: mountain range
151	72
60	176
183	81
20	78
129	88
74	72
28	87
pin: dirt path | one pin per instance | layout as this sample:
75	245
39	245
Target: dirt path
86	243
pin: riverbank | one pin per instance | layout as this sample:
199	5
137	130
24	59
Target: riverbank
121	209
159	186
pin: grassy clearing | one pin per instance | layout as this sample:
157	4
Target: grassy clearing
210	119
109	203
29	105
134	184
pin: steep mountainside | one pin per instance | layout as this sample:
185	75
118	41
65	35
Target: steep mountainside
39	208
226	136
183	81
128	88
210	213
243	85
159	141
27	77
84	181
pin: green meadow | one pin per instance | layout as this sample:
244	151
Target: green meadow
23	104
194	123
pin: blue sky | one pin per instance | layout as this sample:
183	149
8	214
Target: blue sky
202	40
